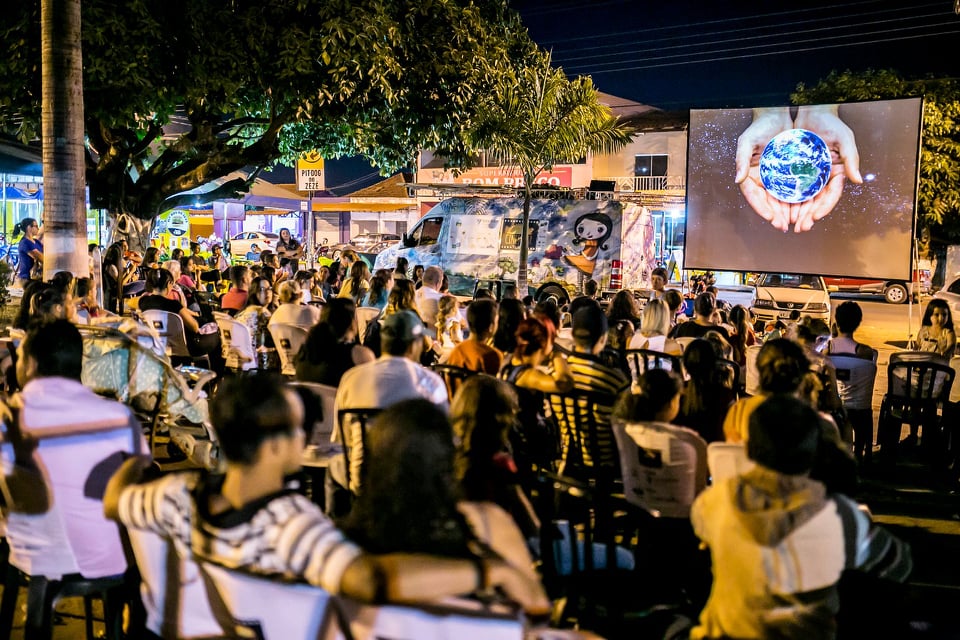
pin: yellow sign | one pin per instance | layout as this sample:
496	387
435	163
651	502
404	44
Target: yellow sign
310	172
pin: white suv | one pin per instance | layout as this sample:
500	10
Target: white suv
777	295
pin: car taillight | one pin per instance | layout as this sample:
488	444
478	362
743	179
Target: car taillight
616	274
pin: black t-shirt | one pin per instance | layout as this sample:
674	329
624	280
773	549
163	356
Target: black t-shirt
154	301
694	330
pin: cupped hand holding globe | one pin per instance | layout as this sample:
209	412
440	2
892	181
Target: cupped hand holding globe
785	206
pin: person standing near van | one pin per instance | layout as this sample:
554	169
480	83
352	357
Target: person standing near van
31	250
428	297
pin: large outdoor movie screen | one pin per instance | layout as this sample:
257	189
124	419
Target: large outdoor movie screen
822	189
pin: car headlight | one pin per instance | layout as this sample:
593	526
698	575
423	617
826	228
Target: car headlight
817	306
760	302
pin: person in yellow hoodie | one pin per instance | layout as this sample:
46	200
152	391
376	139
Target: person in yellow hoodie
779	541
785	369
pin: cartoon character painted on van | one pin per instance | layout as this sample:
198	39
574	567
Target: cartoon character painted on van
570	241
591	230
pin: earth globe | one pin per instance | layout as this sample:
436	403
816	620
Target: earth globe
795	166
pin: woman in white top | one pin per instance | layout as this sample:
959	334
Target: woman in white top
291	311
654	327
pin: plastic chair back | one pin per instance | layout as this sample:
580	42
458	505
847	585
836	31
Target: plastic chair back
322	432
642	360
919	381
855	380
664	467
237	343
352	433
752	377
169	326
250	606
451	619
288	339
364	316
727	460
588	448
171	589
453	376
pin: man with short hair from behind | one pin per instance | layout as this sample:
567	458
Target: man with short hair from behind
427	298
476	353
396	375
81	439
704	308
779	542
591	374
248	518
236	298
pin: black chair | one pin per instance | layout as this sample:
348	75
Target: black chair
359	418
453	376
588	447
917	392
642	360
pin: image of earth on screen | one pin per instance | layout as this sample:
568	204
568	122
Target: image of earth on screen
821	189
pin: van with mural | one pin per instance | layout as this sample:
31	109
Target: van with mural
475	239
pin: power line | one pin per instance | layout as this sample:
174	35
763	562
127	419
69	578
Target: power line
561	58
772	53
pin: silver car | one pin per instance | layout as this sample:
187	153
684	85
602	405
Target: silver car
778	295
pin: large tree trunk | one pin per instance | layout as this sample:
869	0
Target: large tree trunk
126	226
65	211
524	237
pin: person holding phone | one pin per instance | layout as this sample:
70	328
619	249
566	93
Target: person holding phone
31	251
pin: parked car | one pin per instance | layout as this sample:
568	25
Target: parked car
893	291
951	294
240	244
367	242
778	294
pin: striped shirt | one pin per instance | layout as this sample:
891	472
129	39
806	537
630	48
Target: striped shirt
590	375
283	535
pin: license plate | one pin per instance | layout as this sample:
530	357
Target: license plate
784	314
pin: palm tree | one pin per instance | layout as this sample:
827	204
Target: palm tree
65	216
538	117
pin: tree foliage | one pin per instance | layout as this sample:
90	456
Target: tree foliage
939	188
180	92
538	117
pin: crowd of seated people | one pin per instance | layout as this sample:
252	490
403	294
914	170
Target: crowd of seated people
432	496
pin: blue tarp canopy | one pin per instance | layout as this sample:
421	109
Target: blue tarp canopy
20	159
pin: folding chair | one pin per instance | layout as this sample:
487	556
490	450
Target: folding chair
288	338
169	326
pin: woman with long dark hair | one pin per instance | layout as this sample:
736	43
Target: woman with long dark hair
484	413
256	315
410	502
380	285
706	396
30	249
331	347
509	316
357	284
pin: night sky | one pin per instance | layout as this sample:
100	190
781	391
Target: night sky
680	54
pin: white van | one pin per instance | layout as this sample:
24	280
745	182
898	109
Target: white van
571	241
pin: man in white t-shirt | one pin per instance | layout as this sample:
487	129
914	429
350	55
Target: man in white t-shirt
396	375
81	439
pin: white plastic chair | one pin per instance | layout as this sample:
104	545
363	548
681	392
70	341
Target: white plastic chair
322	431
365	315
727	460
752	374
180	611
288	338
238	351
450	619
855	380
169	326
250	606
664	467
